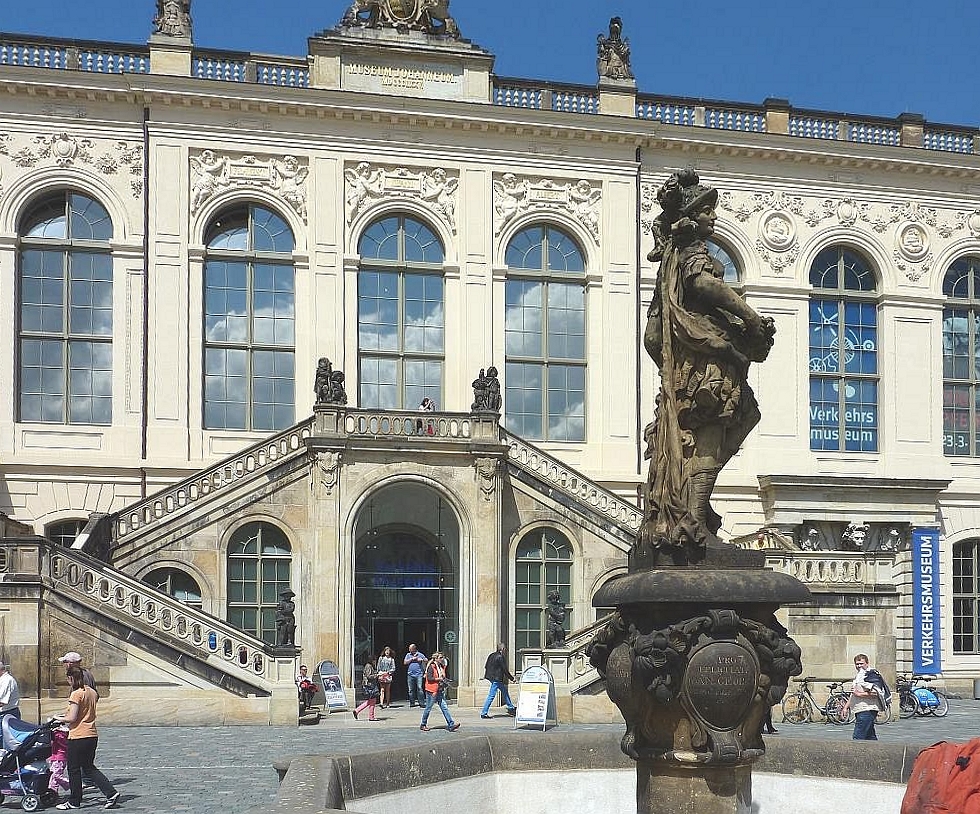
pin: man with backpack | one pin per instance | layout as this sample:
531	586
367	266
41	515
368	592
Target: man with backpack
865	700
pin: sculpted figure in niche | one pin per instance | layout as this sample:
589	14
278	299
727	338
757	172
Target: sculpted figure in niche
613	53
702	335
173	18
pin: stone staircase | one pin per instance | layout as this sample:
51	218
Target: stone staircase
143	626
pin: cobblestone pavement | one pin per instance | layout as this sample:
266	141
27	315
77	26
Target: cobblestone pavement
200	770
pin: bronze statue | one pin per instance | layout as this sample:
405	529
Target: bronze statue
556	620
702	335
613	53
286	619
328	386
173	18
429	16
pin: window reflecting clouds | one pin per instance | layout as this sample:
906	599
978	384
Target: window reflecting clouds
961	358
544	336
66	311
401	321
249	322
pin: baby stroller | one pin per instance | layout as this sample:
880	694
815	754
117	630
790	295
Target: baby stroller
24	770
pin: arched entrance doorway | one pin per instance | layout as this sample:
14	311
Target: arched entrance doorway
406	560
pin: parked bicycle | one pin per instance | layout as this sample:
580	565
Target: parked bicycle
799	706
917	697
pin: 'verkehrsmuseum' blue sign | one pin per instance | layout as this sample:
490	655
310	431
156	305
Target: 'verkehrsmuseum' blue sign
926	656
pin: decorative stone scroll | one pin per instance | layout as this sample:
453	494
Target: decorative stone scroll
513	195
329	463
212	173
66	150
486	476
367	185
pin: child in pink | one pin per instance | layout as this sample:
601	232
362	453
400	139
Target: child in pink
58	762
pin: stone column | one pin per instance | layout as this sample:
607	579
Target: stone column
617	97
170	56
284	702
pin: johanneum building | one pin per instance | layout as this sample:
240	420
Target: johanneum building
185	232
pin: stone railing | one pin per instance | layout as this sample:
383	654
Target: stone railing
568	665
133	603
572	483
72	55
835	570
235	66
408	426
202	485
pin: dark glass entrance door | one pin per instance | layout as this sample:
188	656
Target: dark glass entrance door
398	634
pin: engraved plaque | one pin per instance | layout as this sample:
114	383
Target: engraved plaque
721	682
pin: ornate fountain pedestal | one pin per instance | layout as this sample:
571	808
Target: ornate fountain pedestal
694	658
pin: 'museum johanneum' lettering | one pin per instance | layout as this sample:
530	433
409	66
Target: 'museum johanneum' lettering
402	77
925	600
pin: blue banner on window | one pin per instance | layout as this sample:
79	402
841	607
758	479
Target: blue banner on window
926	656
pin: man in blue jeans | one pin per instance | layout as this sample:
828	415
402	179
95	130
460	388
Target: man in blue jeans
415	662
864	701
498	675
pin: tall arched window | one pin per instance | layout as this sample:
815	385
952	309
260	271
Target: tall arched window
966	597
543	564
544	378
249	321
259	560
843	353
401	325
178	584
66	311
961	358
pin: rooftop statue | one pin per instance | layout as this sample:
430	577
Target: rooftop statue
430	16
702	335
613	53
173	18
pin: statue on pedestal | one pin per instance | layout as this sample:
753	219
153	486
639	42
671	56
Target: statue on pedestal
613	53
286	619
556	620
486	392
173	18
328	385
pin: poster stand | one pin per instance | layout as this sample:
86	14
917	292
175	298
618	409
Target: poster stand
334	696
536	699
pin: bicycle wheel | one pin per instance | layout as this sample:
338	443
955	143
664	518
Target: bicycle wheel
884	715
943	708
834	711
908	705
796	709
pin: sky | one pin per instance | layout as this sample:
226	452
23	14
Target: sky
847	56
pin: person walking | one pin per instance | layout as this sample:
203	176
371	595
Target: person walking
386	672
369	685
436	683
864	701
83	740
415	662
498	675
9	693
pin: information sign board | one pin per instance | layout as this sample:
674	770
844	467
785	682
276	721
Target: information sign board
536	699
334	696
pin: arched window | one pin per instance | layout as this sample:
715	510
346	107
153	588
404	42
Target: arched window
843	353
725	258
543	564
259	559
66	311
966	596
64	532
249	321
544	377
961	358
401	324
179	584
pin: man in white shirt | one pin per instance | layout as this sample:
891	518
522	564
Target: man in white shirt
864	702
9	693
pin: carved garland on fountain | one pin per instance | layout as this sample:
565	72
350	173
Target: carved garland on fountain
367	185
659	661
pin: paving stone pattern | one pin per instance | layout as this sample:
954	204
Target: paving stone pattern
203	770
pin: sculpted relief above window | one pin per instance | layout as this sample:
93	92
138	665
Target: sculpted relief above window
213	172
366	185
514	195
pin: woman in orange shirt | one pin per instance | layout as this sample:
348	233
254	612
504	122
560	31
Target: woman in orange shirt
83	738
